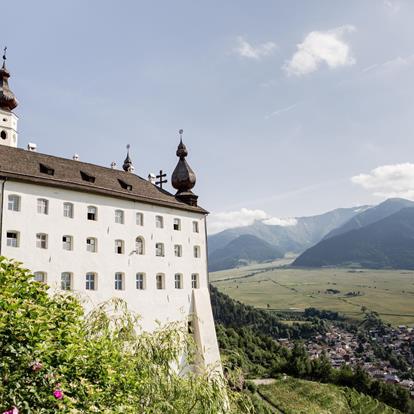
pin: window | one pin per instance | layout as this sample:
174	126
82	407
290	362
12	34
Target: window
140	219
42	206
178	281
159	222
119	216
160	279
197	251
14	202
125	185
178	250
68	210
177	224
194	281
91	245
41	240
3	134
159	249
195	227
140	245
67	242
90	281
119	281
119	246
66	281
92	213
12	238
140	281
40	277
87	177
44	169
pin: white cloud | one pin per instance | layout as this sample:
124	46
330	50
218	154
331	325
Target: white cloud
391	65
321	47
280	111
395	180
244	217
393	6
248	51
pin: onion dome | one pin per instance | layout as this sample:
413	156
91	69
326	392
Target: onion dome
128	167
7	99
183	178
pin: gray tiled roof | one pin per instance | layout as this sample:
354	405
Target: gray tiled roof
22	165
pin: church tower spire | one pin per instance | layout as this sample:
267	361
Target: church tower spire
183	178
8	102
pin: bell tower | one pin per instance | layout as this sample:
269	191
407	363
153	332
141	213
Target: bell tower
8	120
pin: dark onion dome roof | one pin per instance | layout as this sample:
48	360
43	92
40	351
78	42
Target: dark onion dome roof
17	164
183	178
7	99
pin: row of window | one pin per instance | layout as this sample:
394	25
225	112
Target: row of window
13	240
92	213
91	280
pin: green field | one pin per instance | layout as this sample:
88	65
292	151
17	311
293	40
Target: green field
294	396
388	292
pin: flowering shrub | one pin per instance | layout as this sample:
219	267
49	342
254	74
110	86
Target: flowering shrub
54	359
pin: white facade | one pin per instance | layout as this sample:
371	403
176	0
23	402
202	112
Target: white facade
53	244
8	128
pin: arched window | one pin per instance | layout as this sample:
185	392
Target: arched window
160	281
40	277
140	245
92	213
14	202
3	134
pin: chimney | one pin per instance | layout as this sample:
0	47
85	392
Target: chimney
75	157
113	165
152	178
31	147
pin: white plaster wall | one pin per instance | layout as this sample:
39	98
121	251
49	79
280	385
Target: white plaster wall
8	123
164	305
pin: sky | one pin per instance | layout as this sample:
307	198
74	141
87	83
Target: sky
289	108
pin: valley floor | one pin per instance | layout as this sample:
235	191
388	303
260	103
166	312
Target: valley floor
272	286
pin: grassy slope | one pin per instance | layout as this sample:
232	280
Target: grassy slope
294	396
389	292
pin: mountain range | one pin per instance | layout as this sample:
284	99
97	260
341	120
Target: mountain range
379	236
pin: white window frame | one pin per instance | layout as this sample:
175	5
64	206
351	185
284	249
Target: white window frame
178	281
12	241
40	276
196	227
140	281
119	246
42	206
178	250
91	246
159	249
41	240
91	281
119	281
66	280
195	281
13	203
160	281
197	252
177	224
159	222
68	243
119	216
139	219
140	245
68	210
92	213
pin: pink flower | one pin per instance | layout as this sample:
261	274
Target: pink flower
58	394
36	366
14	410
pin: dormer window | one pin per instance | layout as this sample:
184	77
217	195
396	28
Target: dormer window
87	177
44	169
125	185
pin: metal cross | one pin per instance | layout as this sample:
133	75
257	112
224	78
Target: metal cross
160	182
5	51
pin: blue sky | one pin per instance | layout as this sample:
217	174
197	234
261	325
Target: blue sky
289	108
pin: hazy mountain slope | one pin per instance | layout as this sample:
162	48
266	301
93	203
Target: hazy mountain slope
242	250
371	215
387	243
307	231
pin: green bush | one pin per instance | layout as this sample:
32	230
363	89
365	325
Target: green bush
53	358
